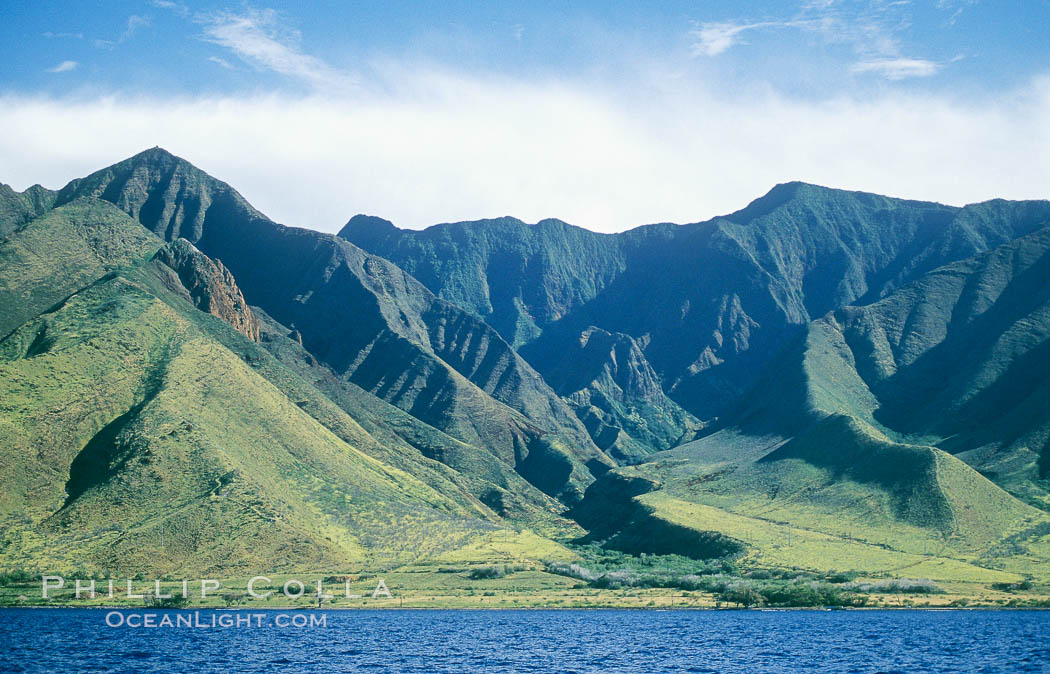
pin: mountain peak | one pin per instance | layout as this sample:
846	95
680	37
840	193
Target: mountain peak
155	156
135	183
155	151
780	194
367	223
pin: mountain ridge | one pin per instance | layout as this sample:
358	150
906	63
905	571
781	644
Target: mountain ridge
309	281
865	374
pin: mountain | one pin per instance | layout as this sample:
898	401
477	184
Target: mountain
522	279
368	321
711	302
794	443
896	424
822	380
519	278
959	360
614	390
143	430
18	208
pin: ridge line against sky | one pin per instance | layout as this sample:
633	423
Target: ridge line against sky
606	117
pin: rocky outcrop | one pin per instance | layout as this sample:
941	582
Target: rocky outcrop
210	286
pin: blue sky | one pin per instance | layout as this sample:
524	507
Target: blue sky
607	115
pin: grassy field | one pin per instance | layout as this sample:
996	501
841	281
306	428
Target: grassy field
776	545
454	587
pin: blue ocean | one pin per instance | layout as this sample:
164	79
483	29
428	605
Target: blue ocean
95	640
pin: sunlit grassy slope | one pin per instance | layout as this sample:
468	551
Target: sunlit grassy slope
399	439
63	251
780	545
133	439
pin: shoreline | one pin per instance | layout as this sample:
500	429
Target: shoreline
814	609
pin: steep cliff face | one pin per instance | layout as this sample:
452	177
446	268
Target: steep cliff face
614	390
210	285
520	278
366	319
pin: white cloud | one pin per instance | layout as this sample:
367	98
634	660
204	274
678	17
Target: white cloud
177	7
259	38
64	67
222	62
135	22
714	38
871	28
898	68
446	147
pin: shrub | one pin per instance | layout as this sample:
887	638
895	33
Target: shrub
616	579
741	593
571	570
175	601
896	586
482	572
691	582
17	577
810	594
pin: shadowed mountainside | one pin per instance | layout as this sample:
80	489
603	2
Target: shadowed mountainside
857	431
710	302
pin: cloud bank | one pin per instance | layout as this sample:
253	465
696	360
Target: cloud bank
443	147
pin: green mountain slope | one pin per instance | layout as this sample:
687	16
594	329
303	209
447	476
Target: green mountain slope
520	278
959	360
846	433
62	252
136	439
366	319
400	440
822	380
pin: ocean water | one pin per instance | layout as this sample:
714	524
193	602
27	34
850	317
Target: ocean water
83	640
